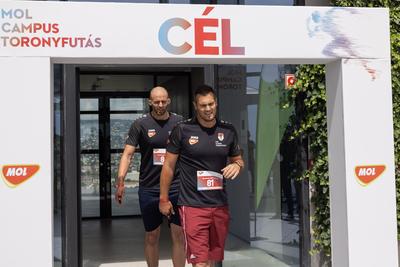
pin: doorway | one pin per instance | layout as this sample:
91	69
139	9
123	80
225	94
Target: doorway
109	101
97	234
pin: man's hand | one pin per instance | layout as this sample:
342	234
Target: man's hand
119	194
231	171
166	208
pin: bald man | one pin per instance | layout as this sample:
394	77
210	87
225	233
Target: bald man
151	133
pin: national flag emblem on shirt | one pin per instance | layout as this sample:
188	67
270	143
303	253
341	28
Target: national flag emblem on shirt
221	136
193	140
151	133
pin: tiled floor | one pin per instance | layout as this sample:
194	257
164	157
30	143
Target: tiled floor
119	243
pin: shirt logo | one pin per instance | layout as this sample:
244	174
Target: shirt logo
193	140
151	133
14	175
192	256
220	136
219	144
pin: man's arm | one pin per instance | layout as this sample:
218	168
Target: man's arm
233	169
124	163
167	174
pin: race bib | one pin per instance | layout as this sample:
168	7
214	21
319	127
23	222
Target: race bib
158	156
209	180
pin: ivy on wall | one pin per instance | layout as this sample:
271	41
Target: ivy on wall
310	88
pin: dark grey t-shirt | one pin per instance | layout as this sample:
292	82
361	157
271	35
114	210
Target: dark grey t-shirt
152	135
202	151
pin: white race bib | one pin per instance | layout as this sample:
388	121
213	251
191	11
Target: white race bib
209	180
159	156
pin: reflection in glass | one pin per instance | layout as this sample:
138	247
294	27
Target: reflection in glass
90	185
252	84
119	128
267	233
130	204
89	131
276	219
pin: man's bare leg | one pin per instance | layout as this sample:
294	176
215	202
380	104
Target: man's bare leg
178	246
151	241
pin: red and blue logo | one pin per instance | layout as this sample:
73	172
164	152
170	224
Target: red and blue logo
201	36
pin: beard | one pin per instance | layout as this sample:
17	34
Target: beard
159	111
208	117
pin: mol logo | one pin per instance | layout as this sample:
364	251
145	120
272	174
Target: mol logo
201	36
368	173
14	175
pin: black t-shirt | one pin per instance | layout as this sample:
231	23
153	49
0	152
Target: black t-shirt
152	135
203	152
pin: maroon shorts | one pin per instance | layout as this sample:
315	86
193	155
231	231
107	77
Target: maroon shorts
205	232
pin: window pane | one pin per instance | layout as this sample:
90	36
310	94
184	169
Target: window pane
89	104
253	82
118	104
90	185
130	203
120	125
89	131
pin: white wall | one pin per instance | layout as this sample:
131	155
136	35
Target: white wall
26	138
360	133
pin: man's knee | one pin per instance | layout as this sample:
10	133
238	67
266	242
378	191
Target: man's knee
152	237
177	234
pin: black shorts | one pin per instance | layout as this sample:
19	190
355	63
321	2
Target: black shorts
152	218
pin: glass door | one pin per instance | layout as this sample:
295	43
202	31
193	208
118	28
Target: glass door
90	160
105	122
123	111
